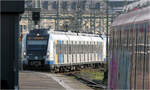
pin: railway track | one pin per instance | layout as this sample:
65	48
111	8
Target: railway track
88	82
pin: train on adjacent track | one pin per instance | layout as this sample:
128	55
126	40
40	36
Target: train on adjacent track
62	51
129	46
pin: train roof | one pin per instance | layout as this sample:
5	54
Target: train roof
133	17
72	33
38	31
137	4
74	37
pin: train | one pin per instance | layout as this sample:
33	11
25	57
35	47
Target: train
62	51
129	50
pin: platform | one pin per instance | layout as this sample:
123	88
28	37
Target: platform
48	81
35	80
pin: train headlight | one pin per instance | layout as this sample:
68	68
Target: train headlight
48	53
24	54
38	34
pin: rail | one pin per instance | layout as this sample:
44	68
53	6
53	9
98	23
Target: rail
88	82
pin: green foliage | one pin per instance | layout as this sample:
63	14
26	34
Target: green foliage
93	74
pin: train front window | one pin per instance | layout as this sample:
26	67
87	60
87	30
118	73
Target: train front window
37	42
36	45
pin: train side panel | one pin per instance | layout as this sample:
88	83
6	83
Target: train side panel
75	50
129	63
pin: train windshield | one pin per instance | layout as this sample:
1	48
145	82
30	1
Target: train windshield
37	42
36	45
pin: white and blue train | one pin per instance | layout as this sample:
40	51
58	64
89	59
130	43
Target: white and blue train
57	50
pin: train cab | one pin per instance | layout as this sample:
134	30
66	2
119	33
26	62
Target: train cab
36	47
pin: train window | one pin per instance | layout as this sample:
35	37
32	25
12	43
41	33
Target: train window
84	47
77	46
96	46
67	45
81	46
88	46
72	48
92	47
80	49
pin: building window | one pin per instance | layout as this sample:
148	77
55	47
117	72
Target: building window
55	5
97	6
73	5
45	4
25	27
64	5
83	3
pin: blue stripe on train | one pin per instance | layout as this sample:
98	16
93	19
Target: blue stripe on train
99	56
59	42
60	58
50	62
104	59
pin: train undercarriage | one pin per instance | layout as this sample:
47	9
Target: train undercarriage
63	67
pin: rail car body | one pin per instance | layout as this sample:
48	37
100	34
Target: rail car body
62	50
129	64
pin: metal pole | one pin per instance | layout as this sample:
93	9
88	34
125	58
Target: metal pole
57	19
107	27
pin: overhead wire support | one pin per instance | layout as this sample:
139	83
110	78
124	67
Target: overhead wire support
57	16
